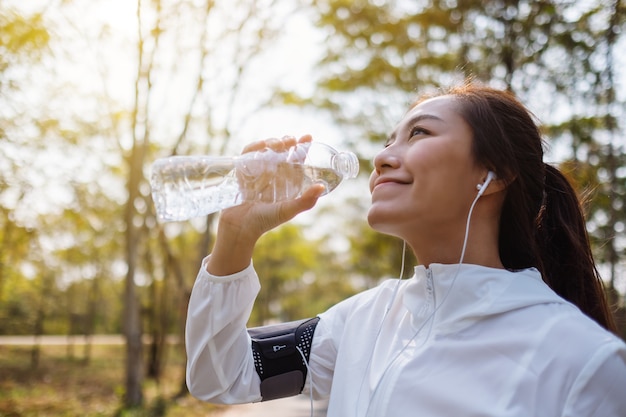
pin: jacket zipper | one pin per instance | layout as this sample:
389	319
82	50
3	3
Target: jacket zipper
430	286
382	399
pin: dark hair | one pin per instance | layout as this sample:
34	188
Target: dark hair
542	223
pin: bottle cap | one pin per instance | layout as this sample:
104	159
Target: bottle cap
347	164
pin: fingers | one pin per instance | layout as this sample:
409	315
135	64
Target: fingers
277	145
305	138
254	146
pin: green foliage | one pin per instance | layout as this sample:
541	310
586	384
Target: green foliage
298	279
376	256
388	50
22	39
16	312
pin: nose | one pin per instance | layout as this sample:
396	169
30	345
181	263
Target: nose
386	158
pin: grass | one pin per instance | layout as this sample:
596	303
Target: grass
62	386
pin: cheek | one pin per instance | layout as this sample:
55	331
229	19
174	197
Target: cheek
441	173
425	165
373	177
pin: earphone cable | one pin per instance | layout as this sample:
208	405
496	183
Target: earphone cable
310	377
431	318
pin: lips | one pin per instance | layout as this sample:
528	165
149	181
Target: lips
386	180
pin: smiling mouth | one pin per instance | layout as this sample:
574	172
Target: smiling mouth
389	182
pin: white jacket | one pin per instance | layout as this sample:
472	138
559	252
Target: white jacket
455	341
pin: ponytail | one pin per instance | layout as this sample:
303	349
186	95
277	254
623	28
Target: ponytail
565	257
541	222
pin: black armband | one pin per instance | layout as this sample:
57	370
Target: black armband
279	354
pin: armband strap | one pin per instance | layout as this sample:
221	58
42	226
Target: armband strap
278	362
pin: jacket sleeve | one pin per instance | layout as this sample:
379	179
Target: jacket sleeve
220	366
600	389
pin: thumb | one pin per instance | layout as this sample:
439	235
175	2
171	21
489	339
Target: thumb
306	201
311	195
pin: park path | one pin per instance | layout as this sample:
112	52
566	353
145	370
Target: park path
298	406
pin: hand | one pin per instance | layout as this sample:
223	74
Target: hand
272	170
241	226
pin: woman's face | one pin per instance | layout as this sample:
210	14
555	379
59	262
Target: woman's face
424	180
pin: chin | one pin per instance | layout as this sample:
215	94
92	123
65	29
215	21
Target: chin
390	222
372	218
381	223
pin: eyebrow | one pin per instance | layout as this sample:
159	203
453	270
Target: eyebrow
413	120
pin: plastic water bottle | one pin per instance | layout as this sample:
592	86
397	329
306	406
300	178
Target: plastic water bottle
189	186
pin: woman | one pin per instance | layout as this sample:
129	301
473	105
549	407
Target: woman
505	315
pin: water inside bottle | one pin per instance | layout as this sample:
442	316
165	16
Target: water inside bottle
327	176
193	188
286	182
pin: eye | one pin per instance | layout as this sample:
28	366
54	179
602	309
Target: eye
417	130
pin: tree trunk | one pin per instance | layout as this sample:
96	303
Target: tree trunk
132	331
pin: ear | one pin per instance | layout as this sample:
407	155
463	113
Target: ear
490	184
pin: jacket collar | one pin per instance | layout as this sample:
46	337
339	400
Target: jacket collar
461	294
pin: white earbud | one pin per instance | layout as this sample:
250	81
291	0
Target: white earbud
483	187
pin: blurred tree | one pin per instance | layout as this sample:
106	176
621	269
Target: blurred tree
596	133
135	160
85	267
376	256
386	51
611	136
191	63
23	42
19	301
44	300
15	244
280	259
27	288
300	276
218	43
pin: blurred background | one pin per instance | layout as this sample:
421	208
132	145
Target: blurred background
92	92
